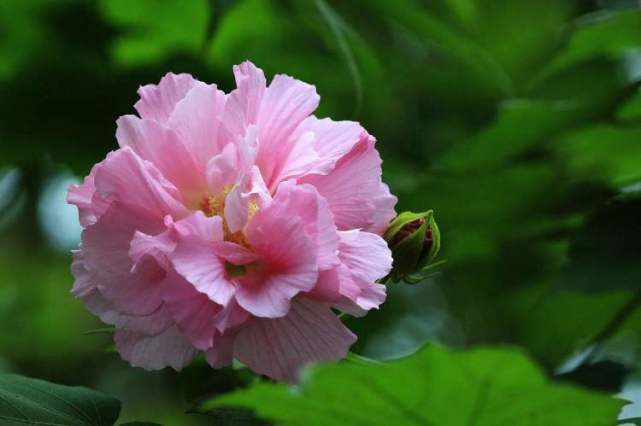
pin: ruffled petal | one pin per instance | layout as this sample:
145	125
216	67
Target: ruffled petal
157	102
90	208
198	263
162	147
288	260
222	352
287	102
304	202
125	178
222	169
280	347
366	255
193	312
331	140
196	121
85	288
243	104
356	196
105	247
168	349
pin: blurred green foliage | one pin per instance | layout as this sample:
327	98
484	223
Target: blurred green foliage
518	122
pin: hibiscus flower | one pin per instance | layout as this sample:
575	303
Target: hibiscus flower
234	225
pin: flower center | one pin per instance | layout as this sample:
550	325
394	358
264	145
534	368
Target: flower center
214	205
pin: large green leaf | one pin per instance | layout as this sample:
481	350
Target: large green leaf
25	401
436	386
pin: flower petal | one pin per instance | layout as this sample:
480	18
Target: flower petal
354	190
303	201
196	121
287	102
157	102
105	247
250	189
168	349
280	347
193	312
137	184
197	261
162	147
366	255
243	104
90	208
288	261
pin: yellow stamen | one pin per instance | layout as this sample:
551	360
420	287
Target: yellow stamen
214	205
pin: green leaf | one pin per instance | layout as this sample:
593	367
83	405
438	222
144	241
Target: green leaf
436	386
556	324
152	30
25	401
606	153
520	124
603	34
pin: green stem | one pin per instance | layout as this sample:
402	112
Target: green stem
614	324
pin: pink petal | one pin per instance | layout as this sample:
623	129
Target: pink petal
105	247
354	189
137	184
196	120
84	282
86	289
163	147
251	188
350	287
168	349
222	352
193	312
82	196
198	225
234	253
279	348
327	288
384	212
288	264
157	102
303	201
149	325
243	104
231	316
287	102
157	246
301	158
199	264
366	255
222	169
332	140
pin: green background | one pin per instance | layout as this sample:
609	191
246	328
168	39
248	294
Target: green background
517	121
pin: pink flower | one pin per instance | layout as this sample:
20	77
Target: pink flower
232	224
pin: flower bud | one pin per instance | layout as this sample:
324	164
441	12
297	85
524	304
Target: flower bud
415	240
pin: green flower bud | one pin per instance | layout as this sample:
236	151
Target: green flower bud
415	240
